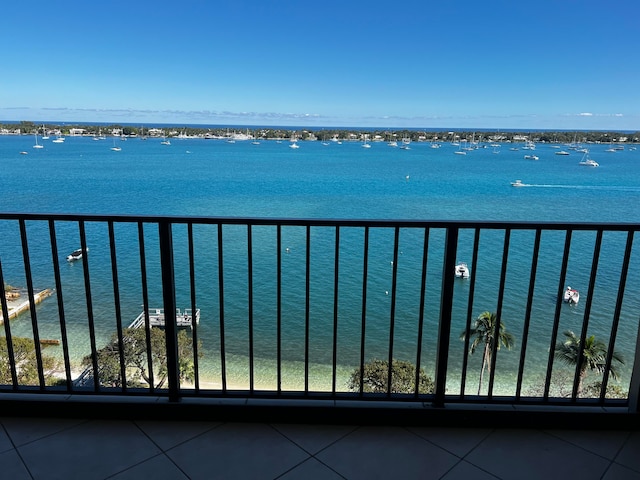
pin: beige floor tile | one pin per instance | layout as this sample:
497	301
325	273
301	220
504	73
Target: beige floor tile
531	454
606	443
313	438
23	430
238	450
465	471
168	434
5	441
459	441
93	450
11	466
312	469
618	472
156	468
386	452
629	455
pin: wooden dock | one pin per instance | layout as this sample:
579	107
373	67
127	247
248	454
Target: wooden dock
16	309
184	319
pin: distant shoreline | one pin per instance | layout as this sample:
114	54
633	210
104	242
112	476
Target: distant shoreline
212	126
244	132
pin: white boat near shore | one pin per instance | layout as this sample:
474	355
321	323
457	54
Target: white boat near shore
75	255
462	270
571	296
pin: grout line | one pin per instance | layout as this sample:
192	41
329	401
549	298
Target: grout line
15	449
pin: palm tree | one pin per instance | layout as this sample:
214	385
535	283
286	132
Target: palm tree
594	356
483	332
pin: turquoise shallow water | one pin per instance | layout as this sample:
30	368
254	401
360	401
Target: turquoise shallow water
196	177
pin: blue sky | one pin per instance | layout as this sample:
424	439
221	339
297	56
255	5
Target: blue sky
564	64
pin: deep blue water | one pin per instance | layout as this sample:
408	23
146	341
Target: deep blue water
195	177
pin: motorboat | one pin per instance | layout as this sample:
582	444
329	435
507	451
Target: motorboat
517	183
562	152
75	255
461	270
571	296
531	157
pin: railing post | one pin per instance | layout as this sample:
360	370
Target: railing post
169	300
446	304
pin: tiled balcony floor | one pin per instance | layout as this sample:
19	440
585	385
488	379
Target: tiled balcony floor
52	448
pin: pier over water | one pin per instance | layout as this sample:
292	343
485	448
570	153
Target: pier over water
157	318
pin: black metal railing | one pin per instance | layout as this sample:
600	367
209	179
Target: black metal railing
266	320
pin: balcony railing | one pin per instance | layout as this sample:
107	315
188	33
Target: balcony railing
297	309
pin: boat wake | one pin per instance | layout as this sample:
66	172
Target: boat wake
583	187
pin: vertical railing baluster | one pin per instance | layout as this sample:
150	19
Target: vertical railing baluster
88	299
32	302
7	332
145	304
423	292
556	318
392	312
446	305
472	288
223	360
587	313
250	300
365	269
336	275
169	303
194	316
307	307
633	396
116	299
496	330
527	314
279	304
59	297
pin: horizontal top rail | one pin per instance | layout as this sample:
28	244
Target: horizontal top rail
324	222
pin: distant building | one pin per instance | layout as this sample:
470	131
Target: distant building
77	131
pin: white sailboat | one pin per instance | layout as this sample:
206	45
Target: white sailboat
114	148
37	145
587	161
44	133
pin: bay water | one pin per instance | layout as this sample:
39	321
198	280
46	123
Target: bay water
197	177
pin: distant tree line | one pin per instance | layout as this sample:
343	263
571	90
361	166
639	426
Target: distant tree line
342	134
